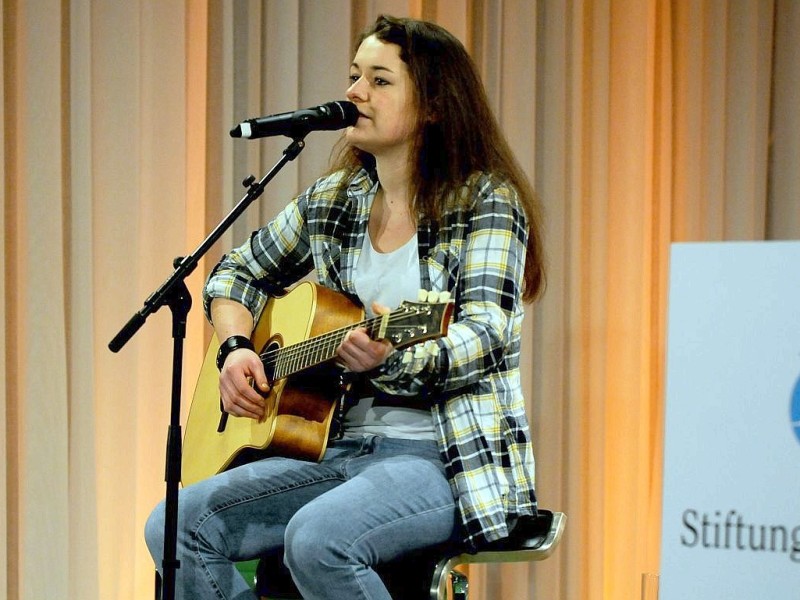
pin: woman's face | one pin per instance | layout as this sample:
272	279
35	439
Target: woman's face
382	89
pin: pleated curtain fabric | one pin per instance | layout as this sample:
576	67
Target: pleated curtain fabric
640	123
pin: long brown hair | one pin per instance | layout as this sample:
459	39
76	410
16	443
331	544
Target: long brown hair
457	134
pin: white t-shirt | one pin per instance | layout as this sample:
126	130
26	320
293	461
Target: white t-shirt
388	279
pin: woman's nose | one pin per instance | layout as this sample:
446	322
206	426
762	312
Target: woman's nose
356	90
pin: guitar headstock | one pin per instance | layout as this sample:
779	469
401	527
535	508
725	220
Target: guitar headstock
413	322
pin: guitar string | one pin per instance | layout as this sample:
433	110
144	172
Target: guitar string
335	335
285	359
289	355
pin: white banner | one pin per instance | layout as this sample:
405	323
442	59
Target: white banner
731	513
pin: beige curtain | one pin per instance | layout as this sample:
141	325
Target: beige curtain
641	122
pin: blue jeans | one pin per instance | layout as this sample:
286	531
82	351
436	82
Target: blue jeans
368	501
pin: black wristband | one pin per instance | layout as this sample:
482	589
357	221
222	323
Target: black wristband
235	342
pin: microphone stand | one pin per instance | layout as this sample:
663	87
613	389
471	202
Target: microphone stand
174	294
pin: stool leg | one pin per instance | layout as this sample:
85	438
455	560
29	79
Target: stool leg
460	585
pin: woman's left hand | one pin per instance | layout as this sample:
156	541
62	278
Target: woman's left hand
359	353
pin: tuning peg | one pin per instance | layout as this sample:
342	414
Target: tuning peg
433	297
432	349
422	295
444	296
408	356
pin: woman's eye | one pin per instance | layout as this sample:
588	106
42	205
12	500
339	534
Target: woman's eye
353	78
381	81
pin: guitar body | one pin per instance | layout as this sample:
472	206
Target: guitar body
300	407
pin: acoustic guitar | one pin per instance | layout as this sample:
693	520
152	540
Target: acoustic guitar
297	336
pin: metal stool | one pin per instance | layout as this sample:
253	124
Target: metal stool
533	538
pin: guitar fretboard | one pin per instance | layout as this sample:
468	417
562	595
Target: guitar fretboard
283	362
410	323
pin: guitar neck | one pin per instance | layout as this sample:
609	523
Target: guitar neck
286	361
412	322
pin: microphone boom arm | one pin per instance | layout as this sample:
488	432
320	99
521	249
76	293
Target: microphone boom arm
188	264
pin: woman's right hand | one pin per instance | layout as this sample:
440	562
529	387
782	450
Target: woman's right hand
240	380
242	367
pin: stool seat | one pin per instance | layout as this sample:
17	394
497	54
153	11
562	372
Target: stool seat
532	538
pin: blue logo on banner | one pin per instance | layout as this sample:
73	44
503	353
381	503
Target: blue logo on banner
796	409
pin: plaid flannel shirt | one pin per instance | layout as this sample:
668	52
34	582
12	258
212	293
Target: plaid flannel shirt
477	253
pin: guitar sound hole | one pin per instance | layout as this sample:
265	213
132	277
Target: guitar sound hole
270	349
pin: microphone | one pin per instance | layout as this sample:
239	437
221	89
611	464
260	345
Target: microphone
297	124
